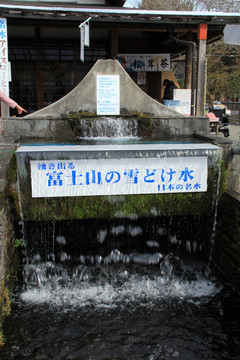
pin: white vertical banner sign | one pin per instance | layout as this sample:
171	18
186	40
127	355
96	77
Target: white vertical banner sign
84	37
82	40
86	34
108	95
4	64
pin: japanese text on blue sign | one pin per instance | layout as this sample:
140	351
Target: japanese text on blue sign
118	176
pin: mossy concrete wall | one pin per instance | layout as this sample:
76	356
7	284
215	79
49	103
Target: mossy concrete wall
9	262
234	172
226	255
9	255
110	207
60	129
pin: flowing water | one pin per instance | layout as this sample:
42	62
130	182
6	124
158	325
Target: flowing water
118	294
108	127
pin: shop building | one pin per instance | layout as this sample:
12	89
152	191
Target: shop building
48	58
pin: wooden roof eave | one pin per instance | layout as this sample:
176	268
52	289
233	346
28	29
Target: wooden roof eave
119	15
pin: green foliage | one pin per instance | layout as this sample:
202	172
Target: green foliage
2	338
80	115
181	83
12	174
11	262
5	307
223	74
18	242
223	180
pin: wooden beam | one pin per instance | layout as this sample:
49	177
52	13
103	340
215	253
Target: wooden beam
201	70
39	80
188	63
114	43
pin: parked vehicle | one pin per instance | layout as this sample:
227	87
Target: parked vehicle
219	105
223	125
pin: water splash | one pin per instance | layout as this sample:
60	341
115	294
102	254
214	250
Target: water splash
109	127
132	279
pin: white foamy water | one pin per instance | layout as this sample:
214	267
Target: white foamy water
109	127
107	140
116	288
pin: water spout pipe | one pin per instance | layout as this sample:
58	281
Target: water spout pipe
193	44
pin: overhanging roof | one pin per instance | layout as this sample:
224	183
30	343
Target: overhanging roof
48	10
178	23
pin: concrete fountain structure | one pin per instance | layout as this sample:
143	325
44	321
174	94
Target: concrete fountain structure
72	199
53	180
112	182
106	91
60	119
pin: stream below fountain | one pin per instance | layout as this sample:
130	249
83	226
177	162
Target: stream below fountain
118	294
129	289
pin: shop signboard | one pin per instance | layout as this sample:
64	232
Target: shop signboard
145	62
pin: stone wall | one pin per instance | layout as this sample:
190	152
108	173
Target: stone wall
234	170
226	254
61	130
9	262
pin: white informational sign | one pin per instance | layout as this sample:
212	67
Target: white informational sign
118	176
4	64
232	34
82	40
84	37
86	34
184	95
145	62
108	95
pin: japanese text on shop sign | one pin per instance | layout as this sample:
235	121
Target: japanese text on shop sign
145	62
118	176
3	57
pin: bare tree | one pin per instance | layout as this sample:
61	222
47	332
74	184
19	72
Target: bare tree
223	59
192	5
167	5
223	71
219	5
